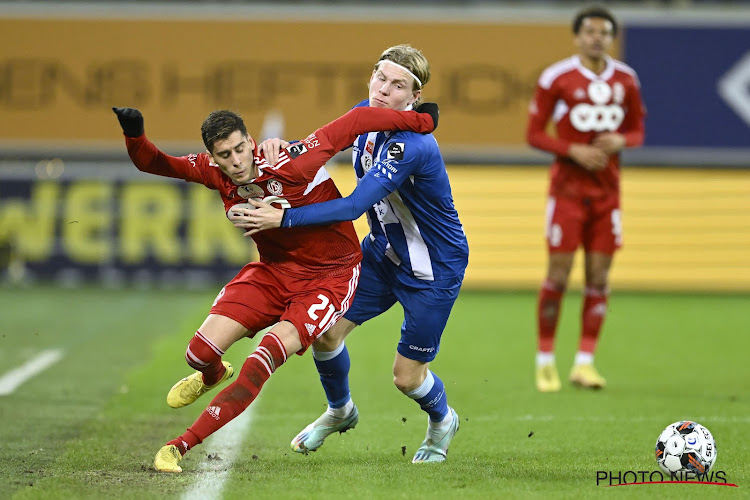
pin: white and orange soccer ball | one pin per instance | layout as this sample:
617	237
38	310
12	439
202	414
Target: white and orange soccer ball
685	449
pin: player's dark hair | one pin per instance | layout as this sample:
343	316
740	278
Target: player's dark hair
597	11
219	125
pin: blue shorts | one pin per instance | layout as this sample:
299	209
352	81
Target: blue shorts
427	304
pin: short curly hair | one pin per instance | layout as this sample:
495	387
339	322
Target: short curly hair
597	11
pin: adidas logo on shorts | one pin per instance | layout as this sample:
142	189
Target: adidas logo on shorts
310	328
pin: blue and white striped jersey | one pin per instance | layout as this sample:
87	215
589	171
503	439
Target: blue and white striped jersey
416	225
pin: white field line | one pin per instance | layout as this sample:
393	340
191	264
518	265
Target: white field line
10	381
223	446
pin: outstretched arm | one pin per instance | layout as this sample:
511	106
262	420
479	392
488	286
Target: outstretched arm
367	193
342	131
146	156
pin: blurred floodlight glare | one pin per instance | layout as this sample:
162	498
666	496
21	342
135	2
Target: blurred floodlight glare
50	169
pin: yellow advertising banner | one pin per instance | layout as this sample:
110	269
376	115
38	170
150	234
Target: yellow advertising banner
684	230
60	77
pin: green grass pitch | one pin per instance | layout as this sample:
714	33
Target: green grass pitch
89	426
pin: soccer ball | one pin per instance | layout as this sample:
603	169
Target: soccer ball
685	449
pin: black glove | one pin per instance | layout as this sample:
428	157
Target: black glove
431	108
131	121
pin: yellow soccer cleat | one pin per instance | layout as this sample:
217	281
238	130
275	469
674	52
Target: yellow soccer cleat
166	459
187	390
586	376
547	379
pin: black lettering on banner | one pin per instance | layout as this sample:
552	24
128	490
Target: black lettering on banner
36	83
396	151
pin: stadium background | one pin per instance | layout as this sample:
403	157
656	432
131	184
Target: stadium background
74	210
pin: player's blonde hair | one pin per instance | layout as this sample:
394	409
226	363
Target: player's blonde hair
411	59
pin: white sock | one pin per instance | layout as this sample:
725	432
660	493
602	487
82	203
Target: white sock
544	358
584	358
443	424
342	412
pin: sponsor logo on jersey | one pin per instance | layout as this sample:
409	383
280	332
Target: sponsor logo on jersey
274	187
579	93
296	149
250	191
311	141
370	147
386	169
395	151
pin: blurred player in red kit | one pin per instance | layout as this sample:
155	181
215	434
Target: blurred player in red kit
596	106
306	277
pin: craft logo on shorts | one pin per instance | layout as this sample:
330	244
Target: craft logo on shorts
274	187
250	191
296	149
396	151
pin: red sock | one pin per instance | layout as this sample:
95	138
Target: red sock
594	311
548	312
238	395
204	356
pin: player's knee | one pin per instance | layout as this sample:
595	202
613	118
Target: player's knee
326	343
201	353
405	383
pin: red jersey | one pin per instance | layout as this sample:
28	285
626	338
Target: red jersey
582	105
299	178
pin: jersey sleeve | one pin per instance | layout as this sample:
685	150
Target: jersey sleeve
365	195
402	159
341	132
633	127
148	158
540	111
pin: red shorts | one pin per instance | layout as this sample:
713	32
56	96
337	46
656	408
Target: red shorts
595	223
260	296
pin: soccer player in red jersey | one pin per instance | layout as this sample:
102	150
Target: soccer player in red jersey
306	277
596	105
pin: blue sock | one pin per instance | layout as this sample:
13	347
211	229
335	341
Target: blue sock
431	397
333	368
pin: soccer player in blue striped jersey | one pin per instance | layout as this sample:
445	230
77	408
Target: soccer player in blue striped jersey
416	254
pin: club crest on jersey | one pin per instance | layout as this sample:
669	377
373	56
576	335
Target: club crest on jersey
296	149
366	162
600	92
274	187
395	151
250	191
